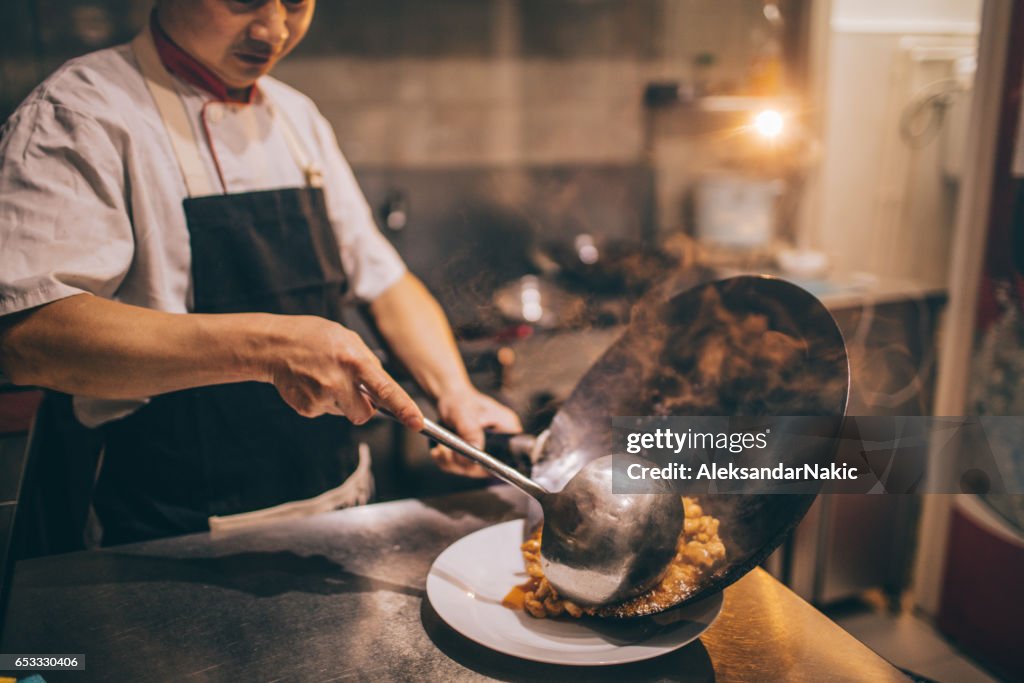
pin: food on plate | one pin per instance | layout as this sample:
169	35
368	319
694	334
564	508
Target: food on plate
699	551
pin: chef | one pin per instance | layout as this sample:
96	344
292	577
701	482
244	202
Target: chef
178	234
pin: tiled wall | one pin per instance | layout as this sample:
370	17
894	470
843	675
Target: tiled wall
465	82
456	84
452	84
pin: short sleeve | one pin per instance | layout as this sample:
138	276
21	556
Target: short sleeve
371	262
64	225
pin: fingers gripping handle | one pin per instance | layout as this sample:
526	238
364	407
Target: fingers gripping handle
512	448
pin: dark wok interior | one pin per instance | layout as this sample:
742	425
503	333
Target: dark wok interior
654	358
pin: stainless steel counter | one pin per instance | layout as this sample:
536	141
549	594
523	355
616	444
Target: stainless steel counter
341	597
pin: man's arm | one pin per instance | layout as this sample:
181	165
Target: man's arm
92	346
416	329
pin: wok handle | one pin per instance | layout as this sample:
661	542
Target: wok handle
459	445
514	449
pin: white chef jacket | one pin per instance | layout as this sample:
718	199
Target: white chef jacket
91	191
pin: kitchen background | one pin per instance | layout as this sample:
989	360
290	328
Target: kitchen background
542	164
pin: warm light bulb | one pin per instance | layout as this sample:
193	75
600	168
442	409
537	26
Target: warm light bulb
768	123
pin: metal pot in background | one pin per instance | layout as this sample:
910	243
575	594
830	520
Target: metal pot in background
736	210
538	301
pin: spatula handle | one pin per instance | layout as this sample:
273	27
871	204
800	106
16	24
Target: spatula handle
460	445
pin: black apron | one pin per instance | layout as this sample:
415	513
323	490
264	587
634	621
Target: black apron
228	449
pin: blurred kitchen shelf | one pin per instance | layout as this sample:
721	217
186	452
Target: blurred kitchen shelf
741	103
673	95
853	290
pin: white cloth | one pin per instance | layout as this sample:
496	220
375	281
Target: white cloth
91	193
357	489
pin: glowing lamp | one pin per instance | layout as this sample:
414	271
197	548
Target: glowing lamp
768	123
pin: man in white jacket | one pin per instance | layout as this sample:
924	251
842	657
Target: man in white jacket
178	232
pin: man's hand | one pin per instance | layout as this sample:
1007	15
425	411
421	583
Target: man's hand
412	322
317	367
469	413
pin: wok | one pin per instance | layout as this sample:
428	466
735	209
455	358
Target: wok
662	338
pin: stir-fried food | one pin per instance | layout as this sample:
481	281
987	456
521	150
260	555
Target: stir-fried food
699	551
730	360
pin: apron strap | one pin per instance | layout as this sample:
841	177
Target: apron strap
172	110
313	174
175	117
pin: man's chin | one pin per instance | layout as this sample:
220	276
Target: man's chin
244	81
246	75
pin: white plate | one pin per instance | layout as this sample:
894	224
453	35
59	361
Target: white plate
469	579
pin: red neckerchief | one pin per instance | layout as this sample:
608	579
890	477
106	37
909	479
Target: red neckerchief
187	68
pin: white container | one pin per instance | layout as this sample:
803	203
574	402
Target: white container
737	210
